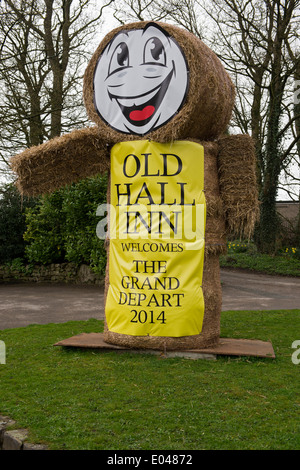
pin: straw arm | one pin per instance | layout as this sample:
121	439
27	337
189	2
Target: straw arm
238	188
60	161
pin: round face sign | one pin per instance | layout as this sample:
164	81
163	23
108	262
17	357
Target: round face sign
140	81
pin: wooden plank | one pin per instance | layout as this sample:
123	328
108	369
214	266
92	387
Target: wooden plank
243	347
226	347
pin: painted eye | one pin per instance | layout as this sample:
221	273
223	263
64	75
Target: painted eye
154	52
119	59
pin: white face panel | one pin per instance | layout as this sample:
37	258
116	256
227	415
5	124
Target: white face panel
140	81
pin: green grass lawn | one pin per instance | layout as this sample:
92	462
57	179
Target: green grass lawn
82	399
268	264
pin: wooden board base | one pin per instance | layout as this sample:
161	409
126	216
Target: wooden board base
226	347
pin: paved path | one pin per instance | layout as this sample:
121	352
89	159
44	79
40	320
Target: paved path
24	304
250	291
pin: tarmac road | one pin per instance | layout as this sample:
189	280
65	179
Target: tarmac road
250	291
25	304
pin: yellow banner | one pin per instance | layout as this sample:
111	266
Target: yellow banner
157	226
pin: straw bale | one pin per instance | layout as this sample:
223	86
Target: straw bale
210	334
229	170
237	170
215	231
207	109
215	244
60	161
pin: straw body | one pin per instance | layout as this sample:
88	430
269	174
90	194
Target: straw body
229	169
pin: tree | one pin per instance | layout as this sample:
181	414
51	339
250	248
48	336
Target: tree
62	226
126	11
258	37
12	222
44	45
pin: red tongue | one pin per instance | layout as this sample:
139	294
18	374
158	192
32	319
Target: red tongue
143	114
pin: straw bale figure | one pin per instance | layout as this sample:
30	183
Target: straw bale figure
199	108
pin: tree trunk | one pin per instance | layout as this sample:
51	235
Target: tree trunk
297	126
56	104
268	226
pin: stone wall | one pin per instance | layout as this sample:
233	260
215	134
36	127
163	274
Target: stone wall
56	273
15	439
289	219
289	211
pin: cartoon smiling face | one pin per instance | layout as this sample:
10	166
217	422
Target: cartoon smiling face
140	81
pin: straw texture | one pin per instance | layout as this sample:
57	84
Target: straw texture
237	168
60	161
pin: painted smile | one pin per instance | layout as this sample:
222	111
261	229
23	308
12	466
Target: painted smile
139	110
